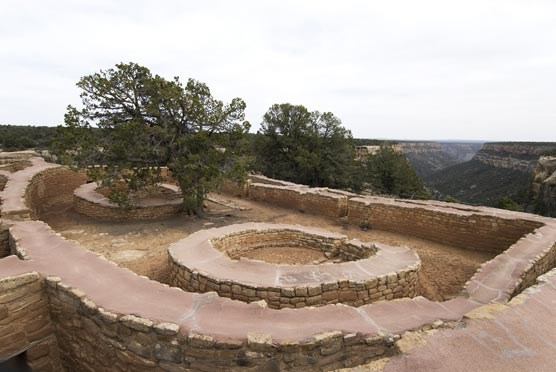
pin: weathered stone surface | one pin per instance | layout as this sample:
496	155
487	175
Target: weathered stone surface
287	286
200	341
167	328
84	342
259	341
137	323
168	352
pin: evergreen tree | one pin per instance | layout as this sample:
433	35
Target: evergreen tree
133	122
310	148
387	171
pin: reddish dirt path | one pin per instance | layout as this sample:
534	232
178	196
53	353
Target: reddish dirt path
142	246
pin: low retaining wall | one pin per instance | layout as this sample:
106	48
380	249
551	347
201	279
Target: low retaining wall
304	199
474	228
25	323
149	325
4	240
14	195
3	180
89	202
469	230
234	188
52	187
200	263
108	319
541	265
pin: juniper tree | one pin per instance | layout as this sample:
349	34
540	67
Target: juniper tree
133	122
306	147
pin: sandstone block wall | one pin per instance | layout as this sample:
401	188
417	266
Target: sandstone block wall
114	213
318	287
4	240
212	334
386	287
87	201
16	165
436	221
237	244
540	265
257	178
50	187
303	199
466	230
93	339
25	323
235	189
3	180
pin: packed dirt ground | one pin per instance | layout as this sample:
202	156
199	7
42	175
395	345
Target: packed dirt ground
142	246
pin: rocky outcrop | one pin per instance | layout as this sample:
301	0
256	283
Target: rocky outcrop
503	169
429	157
521	156
543	189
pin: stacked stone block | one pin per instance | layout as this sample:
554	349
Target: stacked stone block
3	180
315	292
4	240
316	201
25	323
538	266
106	342
87	201
474	231
92	338
52	187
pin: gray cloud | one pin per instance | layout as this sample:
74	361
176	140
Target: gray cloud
396	69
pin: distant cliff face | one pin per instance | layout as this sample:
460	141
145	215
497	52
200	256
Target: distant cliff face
429	157
503	170
543	189
517	156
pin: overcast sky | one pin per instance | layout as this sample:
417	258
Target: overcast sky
479	70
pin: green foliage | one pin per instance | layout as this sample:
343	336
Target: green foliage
550	152
451	199
388	172
507	203
133	122
475	182
372	142
305	147
22	137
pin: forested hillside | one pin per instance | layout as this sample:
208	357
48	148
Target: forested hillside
475	182
501	175
21	137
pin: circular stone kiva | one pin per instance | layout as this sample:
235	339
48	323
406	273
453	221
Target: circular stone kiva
89	202
368	272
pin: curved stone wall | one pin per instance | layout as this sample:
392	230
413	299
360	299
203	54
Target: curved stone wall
89	202
100	317
372	272
51	187
15	194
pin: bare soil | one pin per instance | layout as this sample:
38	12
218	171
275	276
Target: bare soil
287	255
142	246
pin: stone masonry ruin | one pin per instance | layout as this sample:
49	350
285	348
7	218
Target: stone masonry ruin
369	273
66	308
89	202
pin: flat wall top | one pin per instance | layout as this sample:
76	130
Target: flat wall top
122	292
13	196
197	253
88	192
